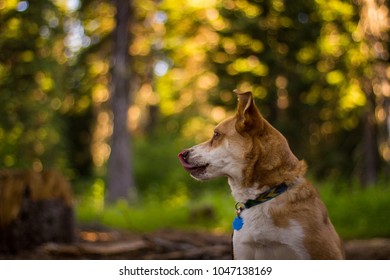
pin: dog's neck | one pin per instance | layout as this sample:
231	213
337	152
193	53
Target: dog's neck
241	194
246	187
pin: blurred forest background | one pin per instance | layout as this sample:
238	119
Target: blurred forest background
318	69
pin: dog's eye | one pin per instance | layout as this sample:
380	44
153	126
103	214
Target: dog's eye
216	135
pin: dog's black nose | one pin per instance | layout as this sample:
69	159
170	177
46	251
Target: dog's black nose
184	154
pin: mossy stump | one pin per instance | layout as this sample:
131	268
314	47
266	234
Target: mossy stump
35	208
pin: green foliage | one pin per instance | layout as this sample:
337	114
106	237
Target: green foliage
148	216
210	209
310	64
355	213
30	82
307	63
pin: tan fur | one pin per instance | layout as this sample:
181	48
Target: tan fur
255	157
302	203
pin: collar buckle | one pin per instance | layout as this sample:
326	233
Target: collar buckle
239	207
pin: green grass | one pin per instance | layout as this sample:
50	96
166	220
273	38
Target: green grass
355	212
359	213
208	207
210	211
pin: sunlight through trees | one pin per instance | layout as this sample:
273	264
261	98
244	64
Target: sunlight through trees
318	69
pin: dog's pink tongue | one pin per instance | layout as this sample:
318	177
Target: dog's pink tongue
182	157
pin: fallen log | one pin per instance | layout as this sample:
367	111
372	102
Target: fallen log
106	249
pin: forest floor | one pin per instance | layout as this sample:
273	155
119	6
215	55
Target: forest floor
107	244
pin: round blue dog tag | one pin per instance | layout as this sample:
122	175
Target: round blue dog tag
238	223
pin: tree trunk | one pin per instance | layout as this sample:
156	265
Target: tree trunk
374	25
369	174
35	208
120	175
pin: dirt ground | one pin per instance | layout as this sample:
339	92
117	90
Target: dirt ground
168	245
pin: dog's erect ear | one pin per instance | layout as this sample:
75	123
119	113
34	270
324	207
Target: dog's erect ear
249	119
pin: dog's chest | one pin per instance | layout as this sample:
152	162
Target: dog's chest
260	238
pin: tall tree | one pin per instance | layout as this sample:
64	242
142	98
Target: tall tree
120	177
373	27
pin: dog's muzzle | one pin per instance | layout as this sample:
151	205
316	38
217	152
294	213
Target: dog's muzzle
192	167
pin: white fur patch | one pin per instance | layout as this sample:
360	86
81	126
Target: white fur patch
261	239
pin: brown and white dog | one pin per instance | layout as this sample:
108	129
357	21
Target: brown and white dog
280	214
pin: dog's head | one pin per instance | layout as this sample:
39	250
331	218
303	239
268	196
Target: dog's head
245	148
